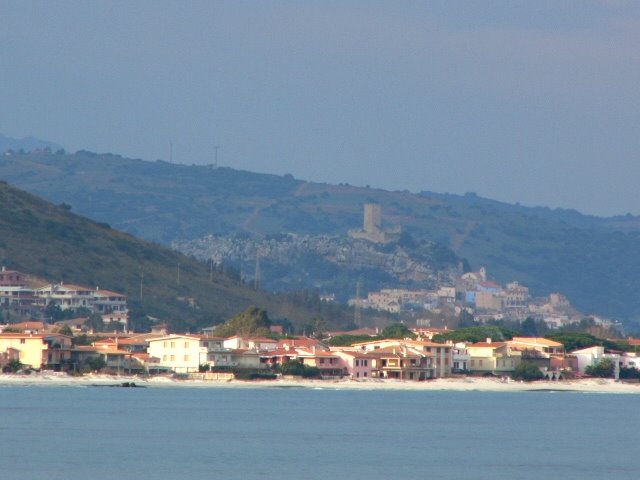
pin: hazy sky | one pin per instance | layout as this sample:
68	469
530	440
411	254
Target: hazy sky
535	102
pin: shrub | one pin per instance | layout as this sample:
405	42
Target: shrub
527	371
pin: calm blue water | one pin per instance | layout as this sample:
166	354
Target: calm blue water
201	433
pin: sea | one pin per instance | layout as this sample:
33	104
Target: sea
84	432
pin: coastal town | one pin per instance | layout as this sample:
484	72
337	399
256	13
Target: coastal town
76	345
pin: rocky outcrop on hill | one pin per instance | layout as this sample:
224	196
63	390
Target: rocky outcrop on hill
290	262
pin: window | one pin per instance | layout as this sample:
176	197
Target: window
164	358
205	344
22	340
365	374
186	344
473	363
366	362
186	358
164	344
357	363
173	344
173	358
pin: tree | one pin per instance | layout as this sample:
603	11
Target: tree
574	340
95	322
466	320
53	311
319	328
14	365
475	334
630	372
604	368
397	330
253	321
527	371
297	368
65	330
529	327
96	363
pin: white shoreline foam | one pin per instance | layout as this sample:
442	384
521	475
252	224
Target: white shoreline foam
444	384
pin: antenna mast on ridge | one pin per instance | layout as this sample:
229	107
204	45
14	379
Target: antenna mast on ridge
215	158
257	279
357	314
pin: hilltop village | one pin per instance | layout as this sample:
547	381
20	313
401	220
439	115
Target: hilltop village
420	293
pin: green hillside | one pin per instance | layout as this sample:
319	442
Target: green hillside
590	259
51	242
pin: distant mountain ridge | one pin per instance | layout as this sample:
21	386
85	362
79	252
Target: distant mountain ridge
590	259
26	144
50	242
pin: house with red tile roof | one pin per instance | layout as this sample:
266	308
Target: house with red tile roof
45	350
443	357
402	363
356	363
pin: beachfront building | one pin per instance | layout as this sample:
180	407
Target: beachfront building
50	351
355	364
492	357
329	364
442	353
592	355
539	344
402	363
185	353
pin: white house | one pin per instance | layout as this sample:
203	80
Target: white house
185	353
592	355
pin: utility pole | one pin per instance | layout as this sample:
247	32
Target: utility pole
257	279
215	162
357	314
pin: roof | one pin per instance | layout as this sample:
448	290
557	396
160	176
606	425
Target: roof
406	351
108	293
406	342
279	352
538	341
243	351
176	336
23	335
360	331
299	342
64	286
28	325
487	345
253	339
317	353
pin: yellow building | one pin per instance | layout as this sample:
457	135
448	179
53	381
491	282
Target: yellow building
492	357
38	350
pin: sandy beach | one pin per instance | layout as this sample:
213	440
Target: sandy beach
450	384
